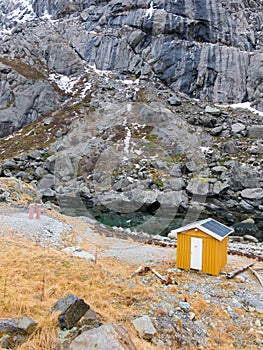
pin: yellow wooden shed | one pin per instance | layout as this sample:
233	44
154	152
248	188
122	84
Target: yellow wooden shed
202	246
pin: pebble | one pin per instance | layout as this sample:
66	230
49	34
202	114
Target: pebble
241	278
185	306
258	323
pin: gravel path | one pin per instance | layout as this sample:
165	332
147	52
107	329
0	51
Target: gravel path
57	231
47	231
51	231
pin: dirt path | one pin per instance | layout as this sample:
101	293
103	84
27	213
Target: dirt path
58	231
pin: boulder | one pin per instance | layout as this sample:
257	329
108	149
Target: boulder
250	238
90	320
218	188
237	128
11	334
110	336
216	131
172	199
47	182
246	206
176	170
230	147
174	101
198	187
144	327
253	194
176	184
241	177
27	324
208	121
213	110
256	131
72	309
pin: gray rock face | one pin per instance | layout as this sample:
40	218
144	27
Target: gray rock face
23	100
181	43
208	51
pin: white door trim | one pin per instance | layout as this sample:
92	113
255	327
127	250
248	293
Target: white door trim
196	253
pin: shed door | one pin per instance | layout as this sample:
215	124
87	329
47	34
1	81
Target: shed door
196	253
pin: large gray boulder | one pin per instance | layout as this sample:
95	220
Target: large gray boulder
241	177
110	336
254	194
256	131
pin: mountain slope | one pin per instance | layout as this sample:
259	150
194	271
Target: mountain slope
209	52
104	92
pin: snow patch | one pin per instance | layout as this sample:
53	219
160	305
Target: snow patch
63	82
98	71
246	105
150	11
68	84
20	12
127	140
204	149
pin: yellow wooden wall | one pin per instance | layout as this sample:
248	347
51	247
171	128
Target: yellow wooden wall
214	252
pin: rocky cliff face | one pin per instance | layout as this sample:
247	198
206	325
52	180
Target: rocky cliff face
210	51
106	90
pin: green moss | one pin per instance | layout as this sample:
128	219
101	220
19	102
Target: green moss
151	137
159	183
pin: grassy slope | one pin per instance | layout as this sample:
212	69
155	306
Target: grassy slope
33	278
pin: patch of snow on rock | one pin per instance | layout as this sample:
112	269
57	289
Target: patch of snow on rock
246	105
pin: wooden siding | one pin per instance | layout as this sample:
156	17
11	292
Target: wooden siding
214	254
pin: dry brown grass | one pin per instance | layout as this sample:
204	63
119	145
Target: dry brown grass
45	335
26	192
32	279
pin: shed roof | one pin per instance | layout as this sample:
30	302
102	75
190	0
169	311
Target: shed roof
210	226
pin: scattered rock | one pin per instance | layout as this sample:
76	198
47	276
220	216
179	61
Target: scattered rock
80	253
144	327
230	147
176	184
27	324
212	110
185	306
255	131
174	101
250	238
216	131
254	194
72	309
90	320
237	128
